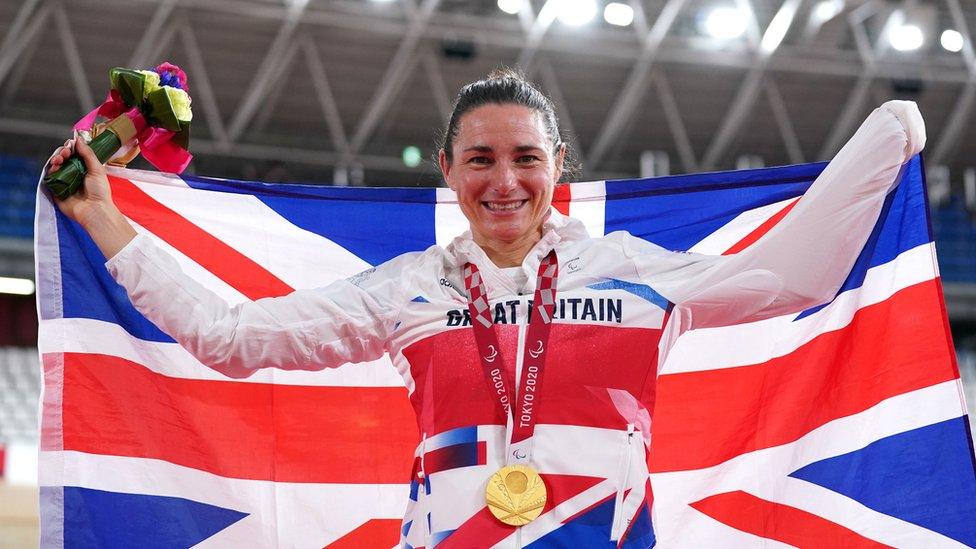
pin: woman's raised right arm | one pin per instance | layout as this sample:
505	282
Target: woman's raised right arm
347	321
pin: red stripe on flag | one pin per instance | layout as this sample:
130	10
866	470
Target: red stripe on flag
561	197
779	522
289	433
756	233
231	266
372	533
893	347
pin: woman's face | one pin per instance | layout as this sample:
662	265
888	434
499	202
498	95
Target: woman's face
503	172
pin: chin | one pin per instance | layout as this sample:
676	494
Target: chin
509	233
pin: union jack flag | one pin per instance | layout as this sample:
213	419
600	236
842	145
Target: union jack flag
843	425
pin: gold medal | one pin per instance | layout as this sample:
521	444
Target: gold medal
516	494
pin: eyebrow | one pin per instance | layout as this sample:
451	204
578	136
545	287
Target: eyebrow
486	148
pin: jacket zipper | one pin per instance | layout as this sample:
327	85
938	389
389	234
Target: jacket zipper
616	531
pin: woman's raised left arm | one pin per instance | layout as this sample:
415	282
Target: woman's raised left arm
805	258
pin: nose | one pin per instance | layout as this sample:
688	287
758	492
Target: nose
506	180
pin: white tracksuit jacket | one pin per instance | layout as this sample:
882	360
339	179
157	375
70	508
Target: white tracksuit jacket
622	302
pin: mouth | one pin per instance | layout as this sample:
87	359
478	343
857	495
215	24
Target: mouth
505	206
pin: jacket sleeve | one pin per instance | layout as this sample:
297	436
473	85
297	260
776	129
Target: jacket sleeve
804	259
346	321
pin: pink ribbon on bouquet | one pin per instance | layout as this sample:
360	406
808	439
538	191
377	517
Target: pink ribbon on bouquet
156	143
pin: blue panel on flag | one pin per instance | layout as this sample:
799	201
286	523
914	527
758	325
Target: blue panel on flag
591	529
678	212
88	291
640	534
96	518
903	226
375	224
925	476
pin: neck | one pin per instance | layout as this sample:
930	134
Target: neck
508	254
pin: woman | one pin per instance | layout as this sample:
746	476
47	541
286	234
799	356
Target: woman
531	369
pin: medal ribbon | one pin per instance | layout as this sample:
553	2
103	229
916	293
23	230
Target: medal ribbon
522	418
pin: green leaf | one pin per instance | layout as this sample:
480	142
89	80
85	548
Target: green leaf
160	111
130	85
182	137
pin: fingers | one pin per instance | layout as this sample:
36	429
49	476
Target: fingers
88	155
59	156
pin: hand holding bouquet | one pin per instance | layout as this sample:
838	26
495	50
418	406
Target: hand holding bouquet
150	109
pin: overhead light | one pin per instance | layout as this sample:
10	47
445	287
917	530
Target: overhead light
827	10
906	37
724	23
16	286
412	156
510	6
951	40
576	13
618	14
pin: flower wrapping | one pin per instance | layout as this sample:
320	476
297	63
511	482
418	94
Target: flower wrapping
148	109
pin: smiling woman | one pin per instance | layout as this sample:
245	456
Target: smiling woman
504	172
502	154
531	368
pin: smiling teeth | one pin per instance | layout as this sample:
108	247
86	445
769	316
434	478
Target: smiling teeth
505	206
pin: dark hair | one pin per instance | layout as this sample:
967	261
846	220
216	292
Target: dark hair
503	86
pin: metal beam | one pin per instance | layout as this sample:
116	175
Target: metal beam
750	88
962	26
203	147
640	19
16	76
271	67
263	117
958	120
611	45
855	100
679	133
278	85
202	89
19	70
551	84
535	34
140	56
69	46
633	90
783	122
442	97
14	45
18	24
165	40
396	73
323	92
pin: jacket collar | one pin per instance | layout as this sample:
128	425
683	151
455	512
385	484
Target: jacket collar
555	229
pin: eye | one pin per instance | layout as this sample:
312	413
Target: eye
479	160
527	159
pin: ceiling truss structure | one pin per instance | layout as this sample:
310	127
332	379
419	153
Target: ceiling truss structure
763	61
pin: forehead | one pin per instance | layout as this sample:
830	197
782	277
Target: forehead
498	125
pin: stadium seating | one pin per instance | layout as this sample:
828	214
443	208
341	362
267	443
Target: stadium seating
955	241
18	184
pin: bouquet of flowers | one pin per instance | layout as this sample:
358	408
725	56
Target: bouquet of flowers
146	109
